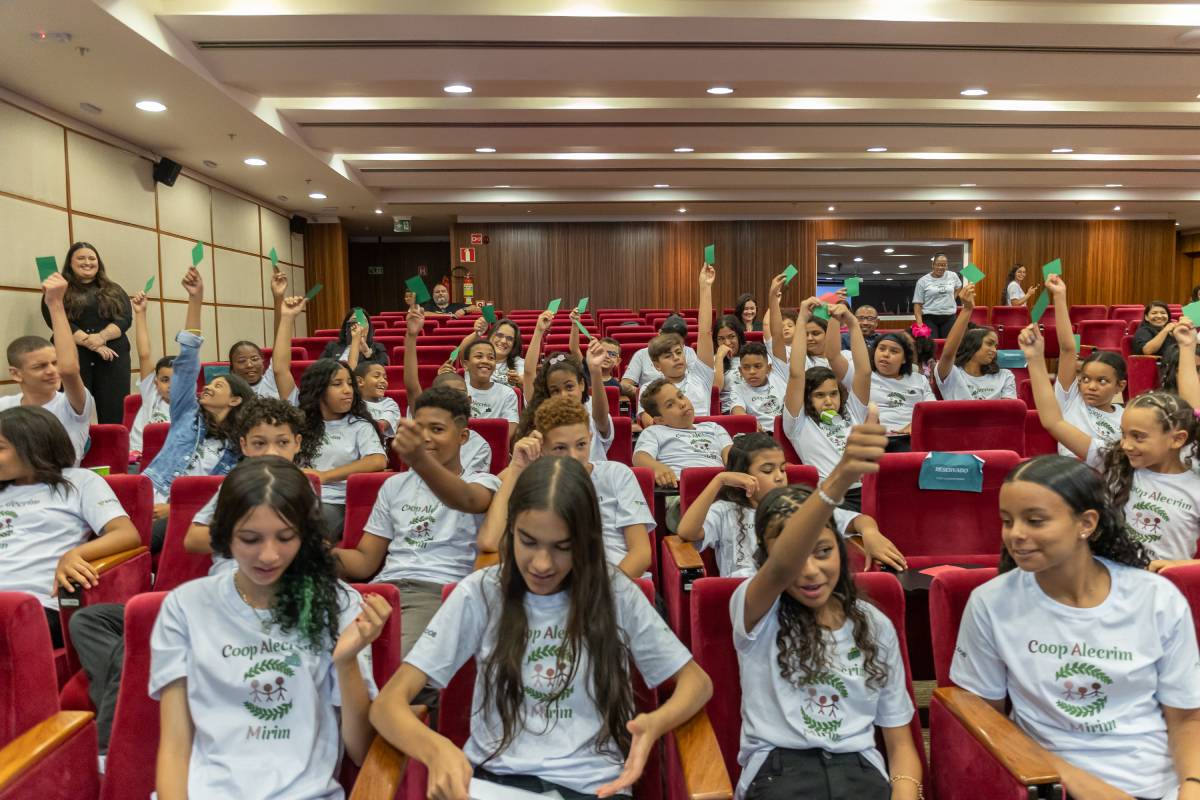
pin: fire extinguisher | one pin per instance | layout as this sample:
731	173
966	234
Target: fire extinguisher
468	288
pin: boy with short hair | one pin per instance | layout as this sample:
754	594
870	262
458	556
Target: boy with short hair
641	370
154	384
763	386
372	384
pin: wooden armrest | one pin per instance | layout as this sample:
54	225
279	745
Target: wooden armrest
104	564
31	747
486	559
1026	760
685	554
701	762
383	768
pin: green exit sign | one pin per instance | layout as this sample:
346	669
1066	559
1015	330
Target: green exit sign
401	226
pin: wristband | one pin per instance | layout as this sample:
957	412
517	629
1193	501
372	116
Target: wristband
827	500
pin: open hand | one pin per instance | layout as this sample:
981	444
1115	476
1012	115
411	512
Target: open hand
365	629
639	752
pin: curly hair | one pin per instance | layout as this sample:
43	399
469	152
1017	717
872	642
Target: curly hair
313	383
269	411
307	598
111	299
558	412
971	342
555	362
802	643
41	442
1082	489
813	378
1174	414
745	447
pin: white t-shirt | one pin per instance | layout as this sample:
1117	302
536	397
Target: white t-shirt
261	701
1103	425
346	440
1087	683
936	295
556	742
77	425
697	386
500	374
600	444
204	460
729	531
821	444
475	455
835	711
498	401
385	410
641	369
895	397
220	564
428	540
733	379
154	409
1015	292
764	402
698	446
621	504
961	385
266	387
38	525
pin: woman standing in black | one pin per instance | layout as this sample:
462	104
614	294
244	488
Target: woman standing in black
100	314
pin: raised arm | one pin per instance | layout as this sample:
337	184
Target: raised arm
775	318
281	356
1049	414
279	285
415	321
1062	324
141	336
533	353
357	335
525	452
793	398
957	331
839	314
704	338
858	351
573	340
691	525
55	289
1187	381
600	413
452	490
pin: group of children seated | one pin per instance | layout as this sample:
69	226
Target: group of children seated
556	626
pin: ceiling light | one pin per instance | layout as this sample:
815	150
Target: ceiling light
210	163
153	106
1063	150
876	149
379	211
683	211
90	108
857	258
457	88
662	186
832	208
832	266
979	208
720	90
1116	208
887	279
685	149
973	92
874	272
502	186
1113	185
254	161
485	149
316	195
889	250
903	266
967	185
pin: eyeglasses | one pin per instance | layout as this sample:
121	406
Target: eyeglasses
868	319
612	353
247	360
502	337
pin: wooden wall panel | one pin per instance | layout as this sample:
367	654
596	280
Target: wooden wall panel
327	257
399	260
652	264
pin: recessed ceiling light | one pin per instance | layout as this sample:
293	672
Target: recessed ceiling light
685	149
889	249
857	258
876	149
457	88
153	106
254	161
683	211
874	272
967	185
1116	208
887	279
979	208
832	208
720	90
662	186
1113	185
832	266
1063	150
316	195
379	211
973	92
502	186
485	149
903	266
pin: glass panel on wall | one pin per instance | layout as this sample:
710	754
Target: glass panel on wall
889	269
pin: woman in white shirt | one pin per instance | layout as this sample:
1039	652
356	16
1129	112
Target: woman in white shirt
553	629
967	369
1096	654
820	668
1014	295
249	665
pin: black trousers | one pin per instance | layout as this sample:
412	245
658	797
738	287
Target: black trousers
98	636
108	381
532	784
55	625
939	324
817	775
853	500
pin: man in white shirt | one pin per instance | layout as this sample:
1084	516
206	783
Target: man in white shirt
41	368
933	298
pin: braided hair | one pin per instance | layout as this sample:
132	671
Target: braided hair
1174	414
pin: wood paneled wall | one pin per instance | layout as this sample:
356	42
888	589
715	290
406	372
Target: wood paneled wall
655	264
400	261
325	247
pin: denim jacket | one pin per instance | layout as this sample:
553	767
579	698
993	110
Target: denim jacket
188	429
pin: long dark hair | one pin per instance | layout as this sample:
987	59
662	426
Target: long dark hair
740	306
228	428
969	346
110	297
1174	414
313	383
307	597
555	362
562	486
1012	276
904	343
510	360
39	440
745	447
1152	305
814	377
803	650
344	331
1082	489
734	324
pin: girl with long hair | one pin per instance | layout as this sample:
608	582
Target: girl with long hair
1153	336
967	369
354	336
245	658
729	337
1096	654
505	337
552	629
1014	295
820	667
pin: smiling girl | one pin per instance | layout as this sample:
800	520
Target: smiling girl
967	369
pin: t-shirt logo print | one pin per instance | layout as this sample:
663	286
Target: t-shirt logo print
269	695
820	711
895	399
1102	425
1081	689
6	526
480	410
701	442
420	530
1148	519
552	664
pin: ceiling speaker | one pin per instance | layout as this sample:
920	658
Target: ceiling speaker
166	171
297	223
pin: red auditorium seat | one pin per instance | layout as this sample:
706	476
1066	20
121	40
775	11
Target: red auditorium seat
1038	441
399	396
133	404
108	446
154	436
789	452
621	448
313	345
189	493
1142	372
981	315
977	424
1127	313
1085	312
1105	334
733	424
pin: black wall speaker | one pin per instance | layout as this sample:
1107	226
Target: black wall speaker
297	224
166	171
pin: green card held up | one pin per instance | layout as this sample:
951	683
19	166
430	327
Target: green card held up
852	286
418	288
789	273
1192	312
821	312
710	254
581	306
582	329
360	317
149	285
489	313
453	355
554	304
1039	306
973	273
1078	342
1053	268
197	253
314	291
46	266
274	259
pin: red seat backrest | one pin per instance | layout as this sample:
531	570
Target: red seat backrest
136	495
1084	312
400	397
982	424
154	436
981	315
1010	316
1105	334
108	446
1127	313
645	479
947	600
733	423
1038	441
789	452
189	493
621	448
133	404
1187	579
1142	373
361	491
495	431
28	688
